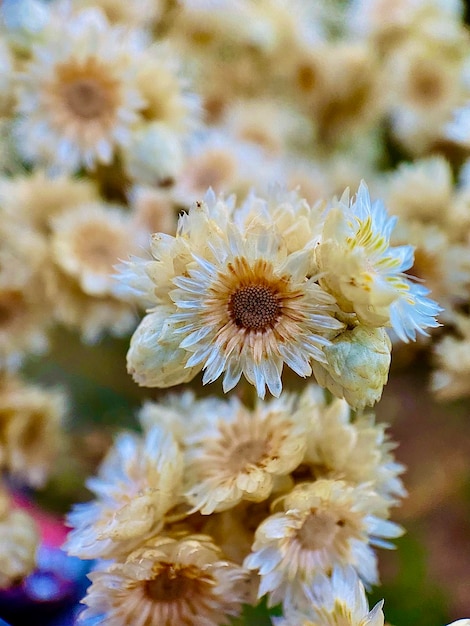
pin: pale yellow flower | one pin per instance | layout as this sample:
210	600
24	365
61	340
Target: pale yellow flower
366	274
168	582
36	198
31	423
87	242
322	524
78	98
138	483
237	454
347	447
339	600
243	303
19	539
357	366
451	379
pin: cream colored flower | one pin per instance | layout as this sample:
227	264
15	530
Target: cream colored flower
78	98
138	14
90	316
357	366
152	211
36	198
339	446
265	122
421	190
87	242
442	263
367	275
154	154
323	524
24	323
19	539
451	380
155	358
427	84
243	304
220	160
339	600
250	311
238	454
22	253
168	582
138	482
31	422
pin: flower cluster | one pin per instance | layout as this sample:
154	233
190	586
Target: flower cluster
211	486
186	178
243	290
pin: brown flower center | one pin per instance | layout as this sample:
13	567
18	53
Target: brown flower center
98	246
88	90
86	98
12	306
254	307
168	586
246	453
319	530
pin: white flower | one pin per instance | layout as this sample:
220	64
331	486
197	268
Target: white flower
323	524
367	275
138	482
336	601
243	303
77	97
238	454
167	582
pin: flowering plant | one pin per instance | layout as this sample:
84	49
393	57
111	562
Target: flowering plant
254	201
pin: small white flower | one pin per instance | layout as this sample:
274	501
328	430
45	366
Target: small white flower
367	275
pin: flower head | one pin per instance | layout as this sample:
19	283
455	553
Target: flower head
168	582
78	99
323	524
339	600
243	304
19	538
356	450
138	482
367	275
238	454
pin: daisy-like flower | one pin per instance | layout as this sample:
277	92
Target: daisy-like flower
238	456
138	482
24	323
251	310
337	601
88	240
168	582
451	379
242	305
357	451
19	538
78	99
31	421
366	274
323	524
35	198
